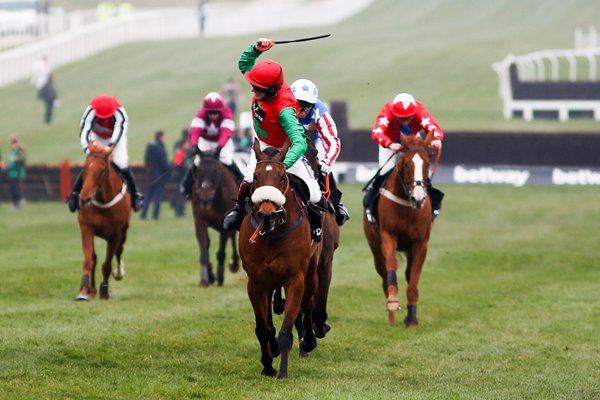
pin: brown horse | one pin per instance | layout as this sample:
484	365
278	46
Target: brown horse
404	225
213	192
105	210
277	251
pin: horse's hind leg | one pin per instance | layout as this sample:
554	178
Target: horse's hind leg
221	258
264	333
111	247
119	271
234	265
206	275
89	263
322	293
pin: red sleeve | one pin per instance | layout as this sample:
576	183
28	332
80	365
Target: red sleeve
227	127
427	122
179	157
197	126
381	133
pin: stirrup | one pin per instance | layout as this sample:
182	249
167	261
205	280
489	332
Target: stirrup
137	203
341	215
73	201
233	219
370	217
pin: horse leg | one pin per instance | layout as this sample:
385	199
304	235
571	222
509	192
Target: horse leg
264	333
234	265
309	341
204	244
119	271
221	258
112	242
415	259
294	292
87	240
388	249
324	273
278	302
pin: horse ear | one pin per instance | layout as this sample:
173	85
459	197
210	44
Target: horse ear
284	150
256	148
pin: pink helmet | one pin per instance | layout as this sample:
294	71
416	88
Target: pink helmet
404	105
213	102
265	74
105	105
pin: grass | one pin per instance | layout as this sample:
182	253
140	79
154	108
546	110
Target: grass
508	310
441	51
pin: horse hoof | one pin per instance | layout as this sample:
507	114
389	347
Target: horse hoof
204	283
307	346
119	272
269	372
282	375
303	354
411	323
82	297
392	304
93	292
104	291
234	267
321	330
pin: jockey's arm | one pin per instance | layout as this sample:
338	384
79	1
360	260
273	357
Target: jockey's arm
248	59
328	133
121	125
226	128
85	127
295	131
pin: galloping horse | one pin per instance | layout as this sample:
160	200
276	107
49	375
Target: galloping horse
105	210
404	225
213	192
277	251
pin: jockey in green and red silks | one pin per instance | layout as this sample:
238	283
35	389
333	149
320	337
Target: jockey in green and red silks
275	117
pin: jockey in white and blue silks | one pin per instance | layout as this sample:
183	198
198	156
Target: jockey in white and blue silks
318	122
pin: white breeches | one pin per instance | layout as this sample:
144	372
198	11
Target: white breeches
119	155
384	155
301	169
226	155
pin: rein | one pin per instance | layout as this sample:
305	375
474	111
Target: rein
119	195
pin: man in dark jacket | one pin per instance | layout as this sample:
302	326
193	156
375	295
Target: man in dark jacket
157	166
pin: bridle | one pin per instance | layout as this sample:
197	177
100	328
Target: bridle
406	185
104	174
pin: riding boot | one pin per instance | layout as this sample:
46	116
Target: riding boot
370	198
236	171
185	187
233	218
341	213
436	196
315	212
137	200
73	200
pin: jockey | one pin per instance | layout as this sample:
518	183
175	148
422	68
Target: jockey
105	122
274	112
318	123
401	116
211	130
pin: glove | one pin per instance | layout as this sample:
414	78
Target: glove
195	150
436	144
325	168
218	151
263	44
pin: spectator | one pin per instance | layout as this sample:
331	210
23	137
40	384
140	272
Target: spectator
157	167
181	162
43	81
16	171
230	94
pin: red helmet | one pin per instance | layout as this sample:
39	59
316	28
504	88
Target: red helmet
404	106
213	102
265	74
105	105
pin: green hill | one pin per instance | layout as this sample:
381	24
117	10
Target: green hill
441	51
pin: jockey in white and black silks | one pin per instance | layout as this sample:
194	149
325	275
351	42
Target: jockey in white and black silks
211	130
319	124
401	116
105	122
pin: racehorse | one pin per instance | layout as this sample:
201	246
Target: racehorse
404	225
213	193
277	251
105	210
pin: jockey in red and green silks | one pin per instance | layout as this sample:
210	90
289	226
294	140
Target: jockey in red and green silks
275	117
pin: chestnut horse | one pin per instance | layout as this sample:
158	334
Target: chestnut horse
213	193
105	210
405	219
277	251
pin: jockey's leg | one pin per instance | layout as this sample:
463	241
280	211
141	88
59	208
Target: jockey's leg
236	171
317	203
233	218
136	197
371	196
73	200
185	187
436	196
341	213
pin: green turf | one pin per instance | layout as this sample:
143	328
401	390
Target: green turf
508	310
441	51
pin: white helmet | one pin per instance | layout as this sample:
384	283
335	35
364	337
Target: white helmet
305	90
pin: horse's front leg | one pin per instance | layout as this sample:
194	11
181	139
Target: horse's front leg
119	271
112	243
309	340
223	236
415	259
265	333
388	248
89	262
294	292
234	265
206	274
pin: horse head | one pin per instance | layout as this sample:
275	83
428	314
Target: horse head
95	171
207	178
413	168
270	187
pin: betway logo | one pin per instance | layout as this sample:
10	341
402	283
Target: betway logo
575	177
514	177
